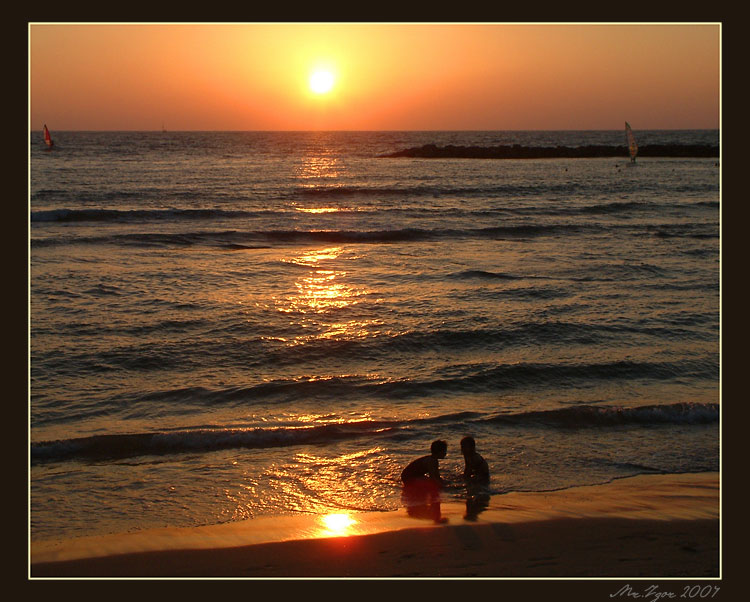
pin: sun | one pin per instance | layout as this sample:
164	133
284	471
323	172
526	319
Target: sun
321	81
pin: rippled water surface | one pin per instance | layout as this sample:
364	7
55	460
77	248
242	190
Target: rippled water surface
229	325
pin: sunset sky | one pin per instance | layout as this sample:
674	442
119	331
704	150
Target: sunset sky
373	76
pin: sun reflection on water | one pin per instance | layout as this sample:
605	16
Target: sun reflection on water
318	209
314	167
332	483
314	257
320	291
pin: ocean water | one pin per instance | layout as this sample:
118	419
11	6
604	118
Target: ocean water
231	325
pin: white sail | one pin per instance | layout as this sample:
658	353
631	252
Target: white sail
632	146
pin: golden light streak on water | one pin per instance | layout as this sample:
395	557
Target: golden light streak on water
318	209
320	291
314	257
316	167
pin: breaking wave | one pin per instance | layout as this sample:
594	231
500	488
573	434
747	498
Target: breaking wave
204	440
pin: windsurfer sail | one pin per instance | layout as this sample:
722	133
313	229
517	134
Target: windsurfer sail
47	137
632	146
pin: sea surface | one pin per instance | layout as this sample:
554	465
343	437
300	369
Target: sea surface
229	325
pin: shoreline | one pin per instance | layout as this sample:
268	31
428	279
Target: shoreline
646	525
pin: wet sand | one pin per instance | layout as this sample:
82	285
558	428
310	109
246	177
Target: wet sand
645	526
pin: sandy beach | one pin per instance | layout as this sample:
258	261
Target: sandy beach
644	526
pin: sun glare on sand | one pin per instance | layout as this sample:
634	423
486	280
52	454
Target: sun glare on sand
338	523
321	81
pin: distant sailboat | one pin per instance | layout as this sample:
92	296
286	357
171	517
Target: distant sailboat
632	146
47	137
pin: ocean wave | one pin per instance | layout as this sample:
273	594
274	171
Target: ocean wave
684	231
136	215
422	234
442	189
473	378
210	439
491	378
66	215
651	206
364	191
254	351
584	416
228	239
279	213
198	440
617	207
483	275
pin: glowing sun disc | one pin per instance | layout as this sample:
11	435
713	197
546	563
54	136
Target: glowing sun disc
321	82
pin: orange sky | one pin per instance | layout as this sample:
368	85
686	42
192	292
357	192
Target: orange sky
387	76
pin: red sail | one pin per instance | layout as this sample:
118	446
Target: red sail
47	138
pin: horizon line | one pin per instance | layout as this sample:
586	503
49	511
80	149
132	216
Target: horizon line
162	131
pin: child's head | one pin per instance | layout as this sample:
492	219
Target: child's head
468	445
439	448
